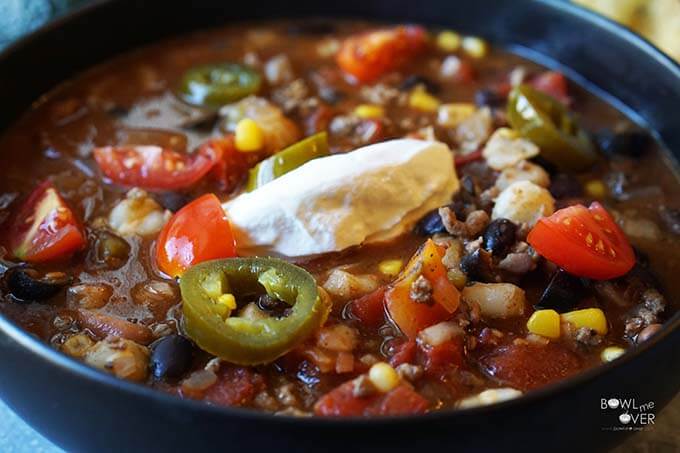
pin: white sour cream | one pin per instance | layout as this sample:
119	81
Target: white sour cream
372	194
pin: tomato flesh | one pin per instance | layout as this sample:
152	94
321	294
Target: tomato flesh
369	309
367	56
583	241
154	167
200	231
553	84
341	401
45	227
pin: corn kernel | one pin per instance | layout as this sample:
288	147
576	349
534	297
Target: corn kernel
545	323
595	189
383	377
611	353
475	47
248	136
448	41
451	115
592	318
369	111
422	100
390	268
225	304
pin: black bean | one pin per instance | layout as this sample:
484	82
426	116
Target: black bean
489	98
171	356
563	293
331	95
478	266
414	80
173	201
430	224
629	143
565	186
499	236
546	164
27	285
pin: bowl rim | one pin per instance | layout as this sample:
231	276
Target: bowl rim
79	369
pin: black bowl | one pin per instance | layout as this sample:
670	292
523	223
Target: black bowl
82	409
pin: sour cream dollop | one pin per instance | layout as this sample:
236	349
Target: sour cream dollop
372	194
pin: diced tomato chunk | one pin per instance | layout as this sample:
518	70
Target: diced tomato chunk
530	366
411	316
235	386
443	356
367	56
404	353
403	400
232	167
369	309
553	84
341	402
45	227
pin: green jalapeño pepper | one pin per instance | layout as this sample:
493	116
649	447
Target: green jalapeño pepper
210	289
287	160
546	122
215	85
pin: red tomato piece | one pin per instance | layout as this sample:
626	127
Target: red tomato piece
553	84
235	386
232	167
403	400
45	227
583	241
369	309
526	367
410	316
200	231
341	402
367	56
404	353
437	359
154	167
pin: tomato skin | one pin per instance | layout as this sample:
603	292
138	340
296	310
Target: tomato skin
369	309
412	317
341	402
200	231
369	55
45	227
437	359
553	84
154	167
585	242
232	167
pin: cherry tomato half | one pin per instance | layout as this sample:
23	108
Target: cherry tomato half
583	241
45	228
154	167
367	56
198	232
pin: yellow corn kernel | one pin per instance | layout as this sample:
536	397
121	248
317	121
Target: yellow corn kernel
369	111
390	268
383	377
545	323
448	41
595	189
225	304
475	47
451	115
248	136
422	100
611	353
593	318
